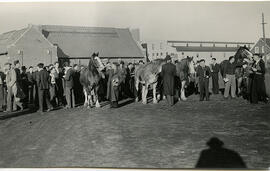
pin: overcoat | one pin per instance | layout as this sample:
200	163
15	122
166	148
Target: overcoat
168	74
112	90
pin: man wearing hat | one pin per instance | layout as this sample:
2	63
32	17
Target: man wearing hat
69	86
113	85
168	74
43	79
203	73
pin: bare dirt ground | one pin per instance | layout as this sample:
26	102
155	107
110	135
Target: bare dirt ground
136	135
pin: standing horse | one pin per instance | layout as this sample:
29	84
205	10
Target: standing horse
185	71
90	79
242	53
147	74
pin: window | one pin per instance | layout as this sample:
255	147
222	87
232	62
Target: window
157	54
153	54
167	53
256	49
161	54
262	49
161	46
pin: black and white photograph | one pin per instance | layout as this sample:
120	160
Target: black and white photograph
135	84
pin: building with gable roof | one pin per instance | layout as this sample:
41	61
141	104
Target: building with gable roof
261	47
50	43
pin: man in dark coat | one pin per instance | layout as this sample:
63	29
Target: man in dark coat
69	86
112	87
168	74
214	73
31	83
59	84
24	81
257	80
203	72
43	79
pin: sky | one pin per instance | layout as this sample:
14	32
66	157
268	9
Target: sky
193	21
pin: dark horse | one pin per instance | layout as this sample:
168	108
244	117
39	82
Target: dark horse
90	79
242	53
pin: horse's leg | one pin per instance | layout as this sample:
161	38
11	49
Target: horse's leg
85	98
96	95
93	94
154	93
91	99
137	89
143	90
239	82
145	93
183	96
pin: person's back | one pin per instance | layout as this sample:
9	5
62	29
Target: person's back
169	69
69	77
43	79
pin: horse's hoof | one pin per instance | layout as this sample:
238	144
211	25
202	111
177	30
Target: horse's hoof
98	106
88	107
85	105
155	101
184	99
144	102
137	99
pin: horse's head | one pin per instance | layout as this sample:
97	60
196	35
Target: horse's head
95	61
242	53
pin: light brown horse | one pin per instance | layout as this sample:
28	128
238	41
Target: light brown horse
147	74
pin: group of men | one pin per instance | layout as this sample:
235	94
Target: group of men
49	87
40	86
252	78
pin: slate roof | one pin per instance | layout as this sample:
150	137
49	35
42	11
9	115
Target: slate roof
76	42
9	38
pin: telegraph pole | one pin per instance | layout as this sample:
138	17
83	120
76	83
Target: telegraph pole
264	39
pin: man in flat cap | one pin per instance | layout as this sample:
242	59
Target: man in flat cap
203	73
168	73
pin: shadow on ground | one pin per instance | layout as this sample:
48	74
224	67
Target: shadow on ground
216	156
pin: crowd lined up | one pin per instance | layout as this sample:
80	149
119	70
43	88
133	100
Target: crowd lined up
49	87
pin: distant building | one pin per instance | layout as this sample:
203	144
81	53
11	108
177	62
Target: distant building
159	49
261	47
50	43
207	49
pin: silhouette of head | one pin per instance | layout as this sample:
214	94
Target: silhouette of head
215	143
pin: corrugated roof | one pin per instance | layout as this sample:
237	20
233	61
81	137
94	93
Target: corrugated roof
76	41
